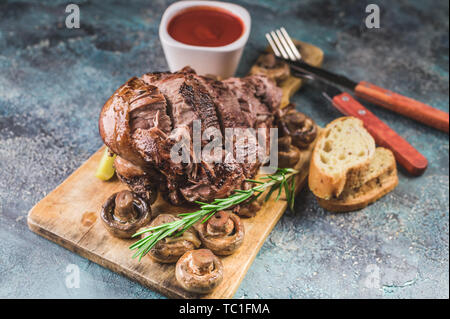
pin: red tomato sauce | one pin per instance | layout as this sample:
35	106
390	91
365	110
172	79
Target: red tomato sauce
205	26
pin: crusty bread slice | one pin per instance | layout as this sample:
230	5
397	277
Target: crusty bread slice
342	154
382	161
379	179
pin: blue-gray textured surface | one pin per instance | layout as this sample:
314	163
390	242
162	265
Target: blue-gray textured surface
53	82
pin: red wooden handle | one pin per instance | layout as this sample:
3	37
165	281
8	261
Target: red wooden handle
405	154
406	106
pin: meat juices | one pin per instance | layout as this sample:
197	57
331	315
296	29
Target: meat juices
137	123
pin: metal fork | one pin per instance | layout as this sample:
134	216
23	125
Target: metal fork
282	45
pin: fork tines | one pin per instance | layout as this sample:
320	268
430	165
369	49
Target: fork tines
282	45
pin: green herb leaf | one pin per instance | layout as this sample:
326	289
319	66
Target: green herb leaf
278	180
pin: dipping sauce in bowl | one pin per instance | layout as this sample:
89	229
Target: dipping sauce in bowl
209	36
205	26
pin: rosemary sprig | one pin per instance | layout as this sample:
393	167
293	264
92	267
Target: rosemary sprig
277	181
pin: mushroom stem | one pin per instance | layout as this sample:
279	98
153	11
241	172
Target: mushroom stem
199	271
124	208
202	262
223	233
220	223
124	213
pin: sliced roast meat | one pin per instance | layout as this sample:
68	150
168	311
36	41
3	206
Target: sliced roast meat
146	120
145	183
189	100
231	117
256	111
135	105
217	180
252	106
259	98
266	91
155	147
227	105
127	169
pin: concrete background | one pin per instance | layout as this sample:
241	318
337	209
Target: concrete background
53	82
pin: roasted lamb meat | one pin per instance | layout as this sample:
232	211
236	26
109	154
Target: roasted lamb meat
147	116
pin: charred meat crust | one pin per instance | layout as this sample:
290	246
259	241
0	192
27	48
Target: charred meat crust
134	106
138	123
143	186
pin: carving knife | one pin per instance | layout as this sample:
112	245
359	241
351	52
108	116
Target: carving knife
403	105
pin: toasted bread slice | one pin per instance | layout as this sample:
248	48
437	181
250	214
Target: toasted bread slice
381	162
342	154
379	179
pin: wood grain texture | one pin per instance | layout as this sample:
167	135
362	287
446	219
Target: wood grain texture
405	154
69	216
403	105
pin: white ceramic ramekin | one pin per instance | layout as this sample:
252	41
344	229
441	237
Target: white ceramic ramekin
222	61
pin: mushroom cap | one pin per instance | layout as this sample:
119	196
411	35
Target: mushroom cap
119	227
288	155
269	66
124	206
298	126
170	249
223	233
199	271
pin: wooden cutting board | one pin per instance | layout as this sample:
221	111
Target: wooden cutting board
69	216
